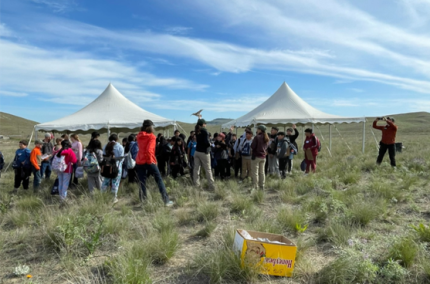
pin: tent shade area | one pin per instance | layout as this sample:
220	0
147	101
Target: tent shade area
111	111
286	107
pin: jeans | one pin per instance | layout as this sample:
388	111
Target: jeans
391	152
143	171
37	178
273	165
46	169
63	184
112	182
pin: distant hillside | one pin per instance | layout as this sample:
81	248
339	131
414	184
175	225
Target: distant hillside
15	125
219	121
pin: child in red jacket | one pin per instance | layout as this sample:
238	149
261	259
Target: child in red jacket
310	148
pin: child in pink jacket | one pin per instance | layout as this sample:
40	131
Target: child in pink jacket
70	160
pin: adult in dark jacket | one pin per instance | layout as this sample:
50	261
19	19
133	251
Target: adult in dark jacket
259	147
164	157
202	155
21	165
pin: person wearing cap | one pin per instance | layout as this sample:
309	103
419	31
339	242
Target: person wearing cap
388	140
36	162
146	162
202	157
259	148
47	149
273	163
221	155
21	166
284	150
245	153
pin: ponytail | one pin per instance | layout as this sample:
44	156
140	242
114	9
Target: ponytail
109	148
266	137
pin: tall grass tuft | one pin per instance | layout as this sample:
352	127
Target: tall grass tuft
288	219
404	250
207	211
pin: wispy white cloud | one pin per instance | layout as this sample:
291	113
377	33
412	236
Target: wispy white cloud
178	30
356	90
75	78
233	58
13	94
59	6
5	31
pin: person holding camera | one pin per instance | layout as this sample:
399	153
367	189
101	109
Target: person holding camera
388	139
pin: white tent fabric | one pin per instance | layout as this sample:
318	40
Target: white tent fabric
286	107
110	111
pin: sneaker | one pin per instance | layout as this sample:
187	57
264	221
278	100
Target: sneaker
169	204
115	200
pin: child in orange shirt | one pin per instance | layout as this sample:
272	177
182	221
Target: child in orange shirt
36	162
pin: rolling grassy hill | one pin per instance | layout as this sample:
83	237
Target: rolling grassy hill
15	125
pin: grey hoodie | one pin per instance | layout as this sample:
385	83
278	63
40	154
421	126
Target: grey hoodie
281	150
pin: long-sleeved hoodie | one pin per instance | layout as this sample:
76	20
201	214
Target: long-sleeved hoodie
388	132
146	142
311	143
69	159
281	151
36	158
259	146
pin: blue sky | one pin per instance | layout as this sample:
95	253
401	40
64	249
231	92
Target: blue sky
349	58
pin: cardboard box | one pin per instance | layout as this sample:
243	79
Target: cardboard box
271	258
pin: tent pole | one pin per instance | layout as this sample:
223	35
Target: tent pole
364	134
108	132
312	128
31	136
329	133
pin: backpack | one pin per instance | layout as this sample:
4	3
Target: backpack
318	142
246	150
109	168
91	164
1	161
59	164
128	160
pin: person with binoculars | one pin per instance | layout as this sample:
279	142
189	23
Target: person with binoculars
388	139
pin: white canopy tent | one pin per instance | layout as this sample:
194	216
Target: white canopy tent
110	111
286	107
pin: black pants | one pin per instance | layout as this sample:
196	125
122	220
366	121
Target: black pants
266	165
22	176
222	168
289	165
237	166
391	152
191	165
132	176
283	166
177	169
162	165
229	166
217	168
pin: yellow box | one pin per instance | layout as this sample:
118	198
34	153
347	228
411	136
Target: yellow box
272	258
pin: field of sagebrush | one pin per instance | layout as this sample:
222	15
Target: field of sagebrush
365	224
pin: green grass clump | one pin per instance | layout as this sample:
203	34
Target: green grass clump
132	266
362	212
258	196
207	230
337	232
404	250
349	267
207	211
240	204
288	219
423	232
162	245
29	203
